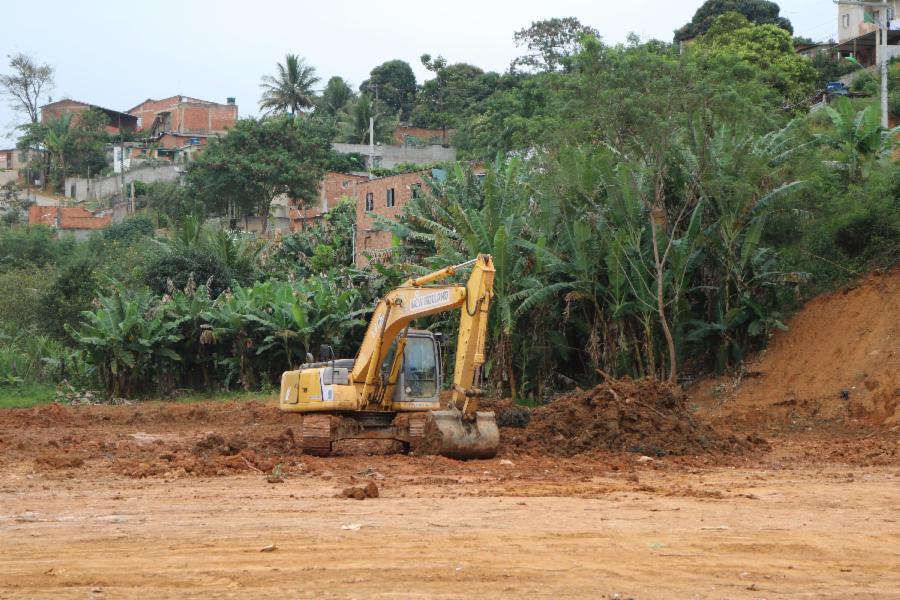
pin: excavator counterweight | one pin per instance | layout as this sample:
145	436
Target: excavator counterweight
391	390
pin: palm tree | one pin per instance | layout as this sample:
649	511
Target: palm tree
291	90
355	121
58	140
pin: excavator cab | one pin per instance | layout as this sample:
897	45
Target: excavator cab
420	373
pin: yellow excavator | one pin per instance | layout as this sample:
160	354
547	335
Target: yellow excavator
391	390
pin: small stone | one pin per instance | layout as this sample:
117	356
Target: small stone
371	490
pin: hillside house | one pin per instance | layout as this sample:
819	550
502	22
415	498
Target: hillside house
859	32
385	197
333	188
74	221
182	123
118	121
10	163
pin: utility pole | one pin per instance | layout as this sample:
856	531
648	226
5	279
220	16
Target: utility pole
372	130
883	31
121	161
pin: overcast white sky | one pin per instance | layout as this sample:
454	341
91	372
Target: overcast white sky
117	54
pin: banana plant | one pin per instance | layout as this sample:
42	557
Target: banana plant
130	341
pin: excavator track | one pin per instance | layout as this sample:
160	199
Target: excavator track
317	434
416	431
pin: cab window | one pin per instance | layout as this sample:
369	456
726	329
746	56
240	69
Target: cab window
420	368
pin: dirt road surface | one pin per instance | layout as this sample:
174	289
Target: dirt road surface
145	502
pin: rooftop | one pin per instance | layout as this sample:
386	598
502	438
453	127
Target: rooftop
69	217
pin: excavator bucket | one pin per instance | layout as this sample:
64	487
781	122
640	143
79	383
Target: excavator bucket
448	434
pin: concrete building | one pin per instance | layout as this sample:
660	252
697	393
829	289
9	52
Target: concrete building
117	120
385	197
10	163
181	121
76	222
859	34
389	156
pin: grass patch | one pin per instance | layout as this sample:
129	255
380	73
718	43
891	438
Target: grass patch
26	395
265	396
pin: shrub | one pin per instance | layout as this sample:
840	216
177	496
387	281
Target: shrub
20	299
180	265
35	246
71	293
129	230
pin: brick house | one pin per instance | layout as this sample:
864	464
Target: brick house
117	120
73	221
334	186
385	197
181	121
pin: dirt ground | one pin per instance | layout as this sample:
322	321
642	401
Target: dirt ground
839	362
173	501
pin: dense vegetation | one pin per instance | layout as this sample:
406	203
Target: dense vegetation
650	212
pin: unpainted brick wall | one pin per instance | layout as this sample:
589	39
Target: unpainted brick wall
367	238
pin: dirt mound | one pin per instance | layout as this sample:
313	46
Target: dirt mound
838	362
646	416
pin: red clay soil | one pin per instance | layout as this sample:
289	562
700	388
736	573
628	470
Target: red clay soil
646	416
838	364
152	439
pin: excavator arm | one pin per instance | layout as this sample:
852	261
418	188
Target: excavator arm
415	299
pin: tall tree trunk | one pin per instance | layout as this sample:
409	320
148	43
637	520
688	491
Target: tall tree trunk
660	303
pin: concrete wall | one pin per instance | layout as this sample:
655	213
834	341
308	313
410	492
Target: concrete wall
391	156
81	189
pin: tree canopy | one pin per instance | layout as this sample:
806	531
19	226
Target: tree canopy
291	90
27	83
394	84
551	43
258	160
759	12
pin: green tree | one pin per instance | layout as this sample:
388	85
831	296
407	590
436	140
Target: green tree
551	44
759	12
291	90
58	140
393	83
766	47
336	96
258	160
452	95
71	293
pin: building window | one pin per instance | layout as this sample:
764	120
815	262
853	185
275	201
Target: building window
370	201
416	189
345	184
890	14
390	197
845	21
